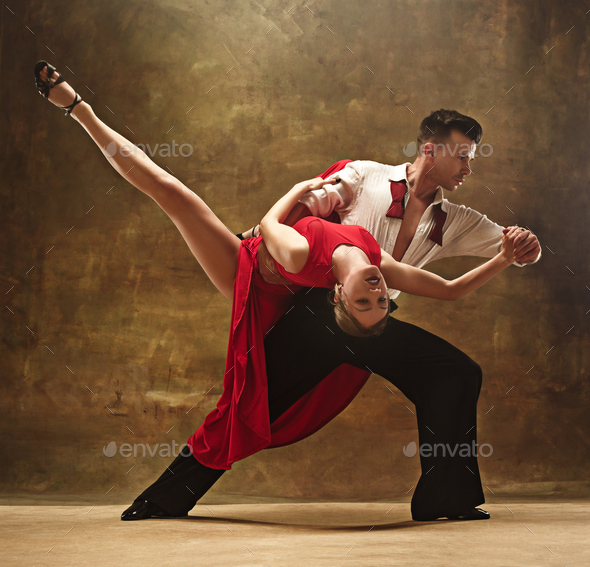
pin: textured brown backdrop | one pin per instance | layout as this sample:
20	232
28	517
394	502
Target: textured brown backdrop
115	311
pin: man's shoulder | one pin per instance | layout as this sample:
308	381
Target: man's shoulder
369	168
455	209
461	215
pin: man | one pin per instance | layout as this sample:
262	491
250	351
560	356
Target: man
404	209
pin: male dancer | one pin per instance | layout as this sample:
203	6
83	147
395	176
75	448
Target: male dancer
416	225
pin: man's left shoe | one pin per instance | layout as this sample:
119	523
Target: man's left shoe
143	510
473	514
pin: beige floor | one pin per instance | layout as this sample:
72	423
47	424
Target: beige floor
330	534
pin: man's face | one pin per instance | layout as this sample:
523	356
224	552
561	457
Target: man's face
451	161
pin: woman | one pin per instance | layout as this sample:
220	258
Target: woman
311	253
217	250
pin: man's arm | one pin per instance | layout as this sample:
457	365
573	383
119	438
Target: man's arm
472	234
338	197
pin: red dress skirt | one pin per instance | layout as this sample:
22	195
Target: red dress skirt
239	426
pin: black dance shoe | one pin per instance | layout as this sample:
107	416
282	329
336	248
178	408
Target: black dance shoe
45	85
472	514
142	510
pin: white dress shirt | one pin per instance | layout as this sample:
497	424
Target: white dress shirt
363	198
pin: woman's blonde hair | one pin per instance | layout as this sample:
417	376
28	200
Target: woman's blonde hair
346	321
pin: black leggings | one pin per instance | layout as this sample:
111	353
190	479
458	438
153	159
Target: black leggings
441	381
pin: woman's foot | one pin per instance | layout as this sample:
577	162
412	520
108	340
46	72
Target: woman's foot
60	93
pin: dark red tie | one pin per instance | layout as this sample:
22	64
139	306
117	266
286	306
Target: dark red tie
440	218
398	192
397	208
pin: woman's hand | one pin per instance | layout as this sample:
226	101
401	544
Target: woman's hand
315	183
509	236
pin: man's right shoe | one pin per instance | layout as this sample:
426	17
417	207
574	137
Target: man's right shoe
142	510
472	514
469	515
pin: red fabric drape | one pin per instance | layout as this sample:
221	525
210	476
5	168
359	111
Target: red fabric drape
239	426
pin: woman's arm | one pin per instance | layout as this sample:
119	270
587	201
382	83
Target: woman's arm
420	282
285	244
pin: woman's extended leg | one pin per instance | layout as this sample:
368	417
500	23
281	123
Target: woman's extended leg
211	242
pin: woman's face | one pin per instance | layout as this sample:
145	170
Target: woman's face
365	295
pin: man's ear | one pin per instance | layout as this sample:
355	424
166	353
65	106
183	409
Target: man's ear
427	150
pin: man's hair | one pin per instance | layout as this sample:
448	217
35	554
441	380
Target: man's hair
346	321
439	124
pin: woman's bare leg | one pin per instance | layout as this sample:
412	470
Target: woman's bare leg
211	242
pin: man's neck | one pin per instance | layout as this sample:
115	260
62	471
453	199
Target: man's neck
427	190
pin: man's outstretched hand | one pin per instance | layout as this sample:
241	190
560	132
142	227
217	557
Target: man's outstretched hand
526	246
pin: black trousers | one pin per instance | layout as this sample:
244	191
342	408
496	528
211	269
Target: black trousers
440	380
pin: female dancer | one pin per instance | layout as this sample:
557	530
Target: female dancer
311	253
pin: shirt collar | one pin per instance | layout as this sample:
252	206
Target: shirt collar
398	173
439	198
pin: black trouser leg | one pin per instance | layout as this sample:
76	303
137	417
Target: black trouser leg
182	483
444	385
439	379
186	480
442	382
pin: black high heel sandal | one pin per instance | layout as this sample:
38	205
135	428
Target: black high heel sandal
44	86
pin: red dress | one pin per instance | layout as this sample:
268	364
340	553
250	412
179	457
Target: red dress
239	426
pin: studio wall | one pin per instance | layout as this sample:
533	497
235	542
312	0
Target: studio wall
112	333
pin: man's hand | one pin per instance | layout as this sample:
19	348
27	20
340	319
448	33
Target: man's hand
268	268
251	232
526	246
509	236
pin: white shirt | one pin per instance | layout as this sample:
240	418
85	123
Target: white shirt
363	198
